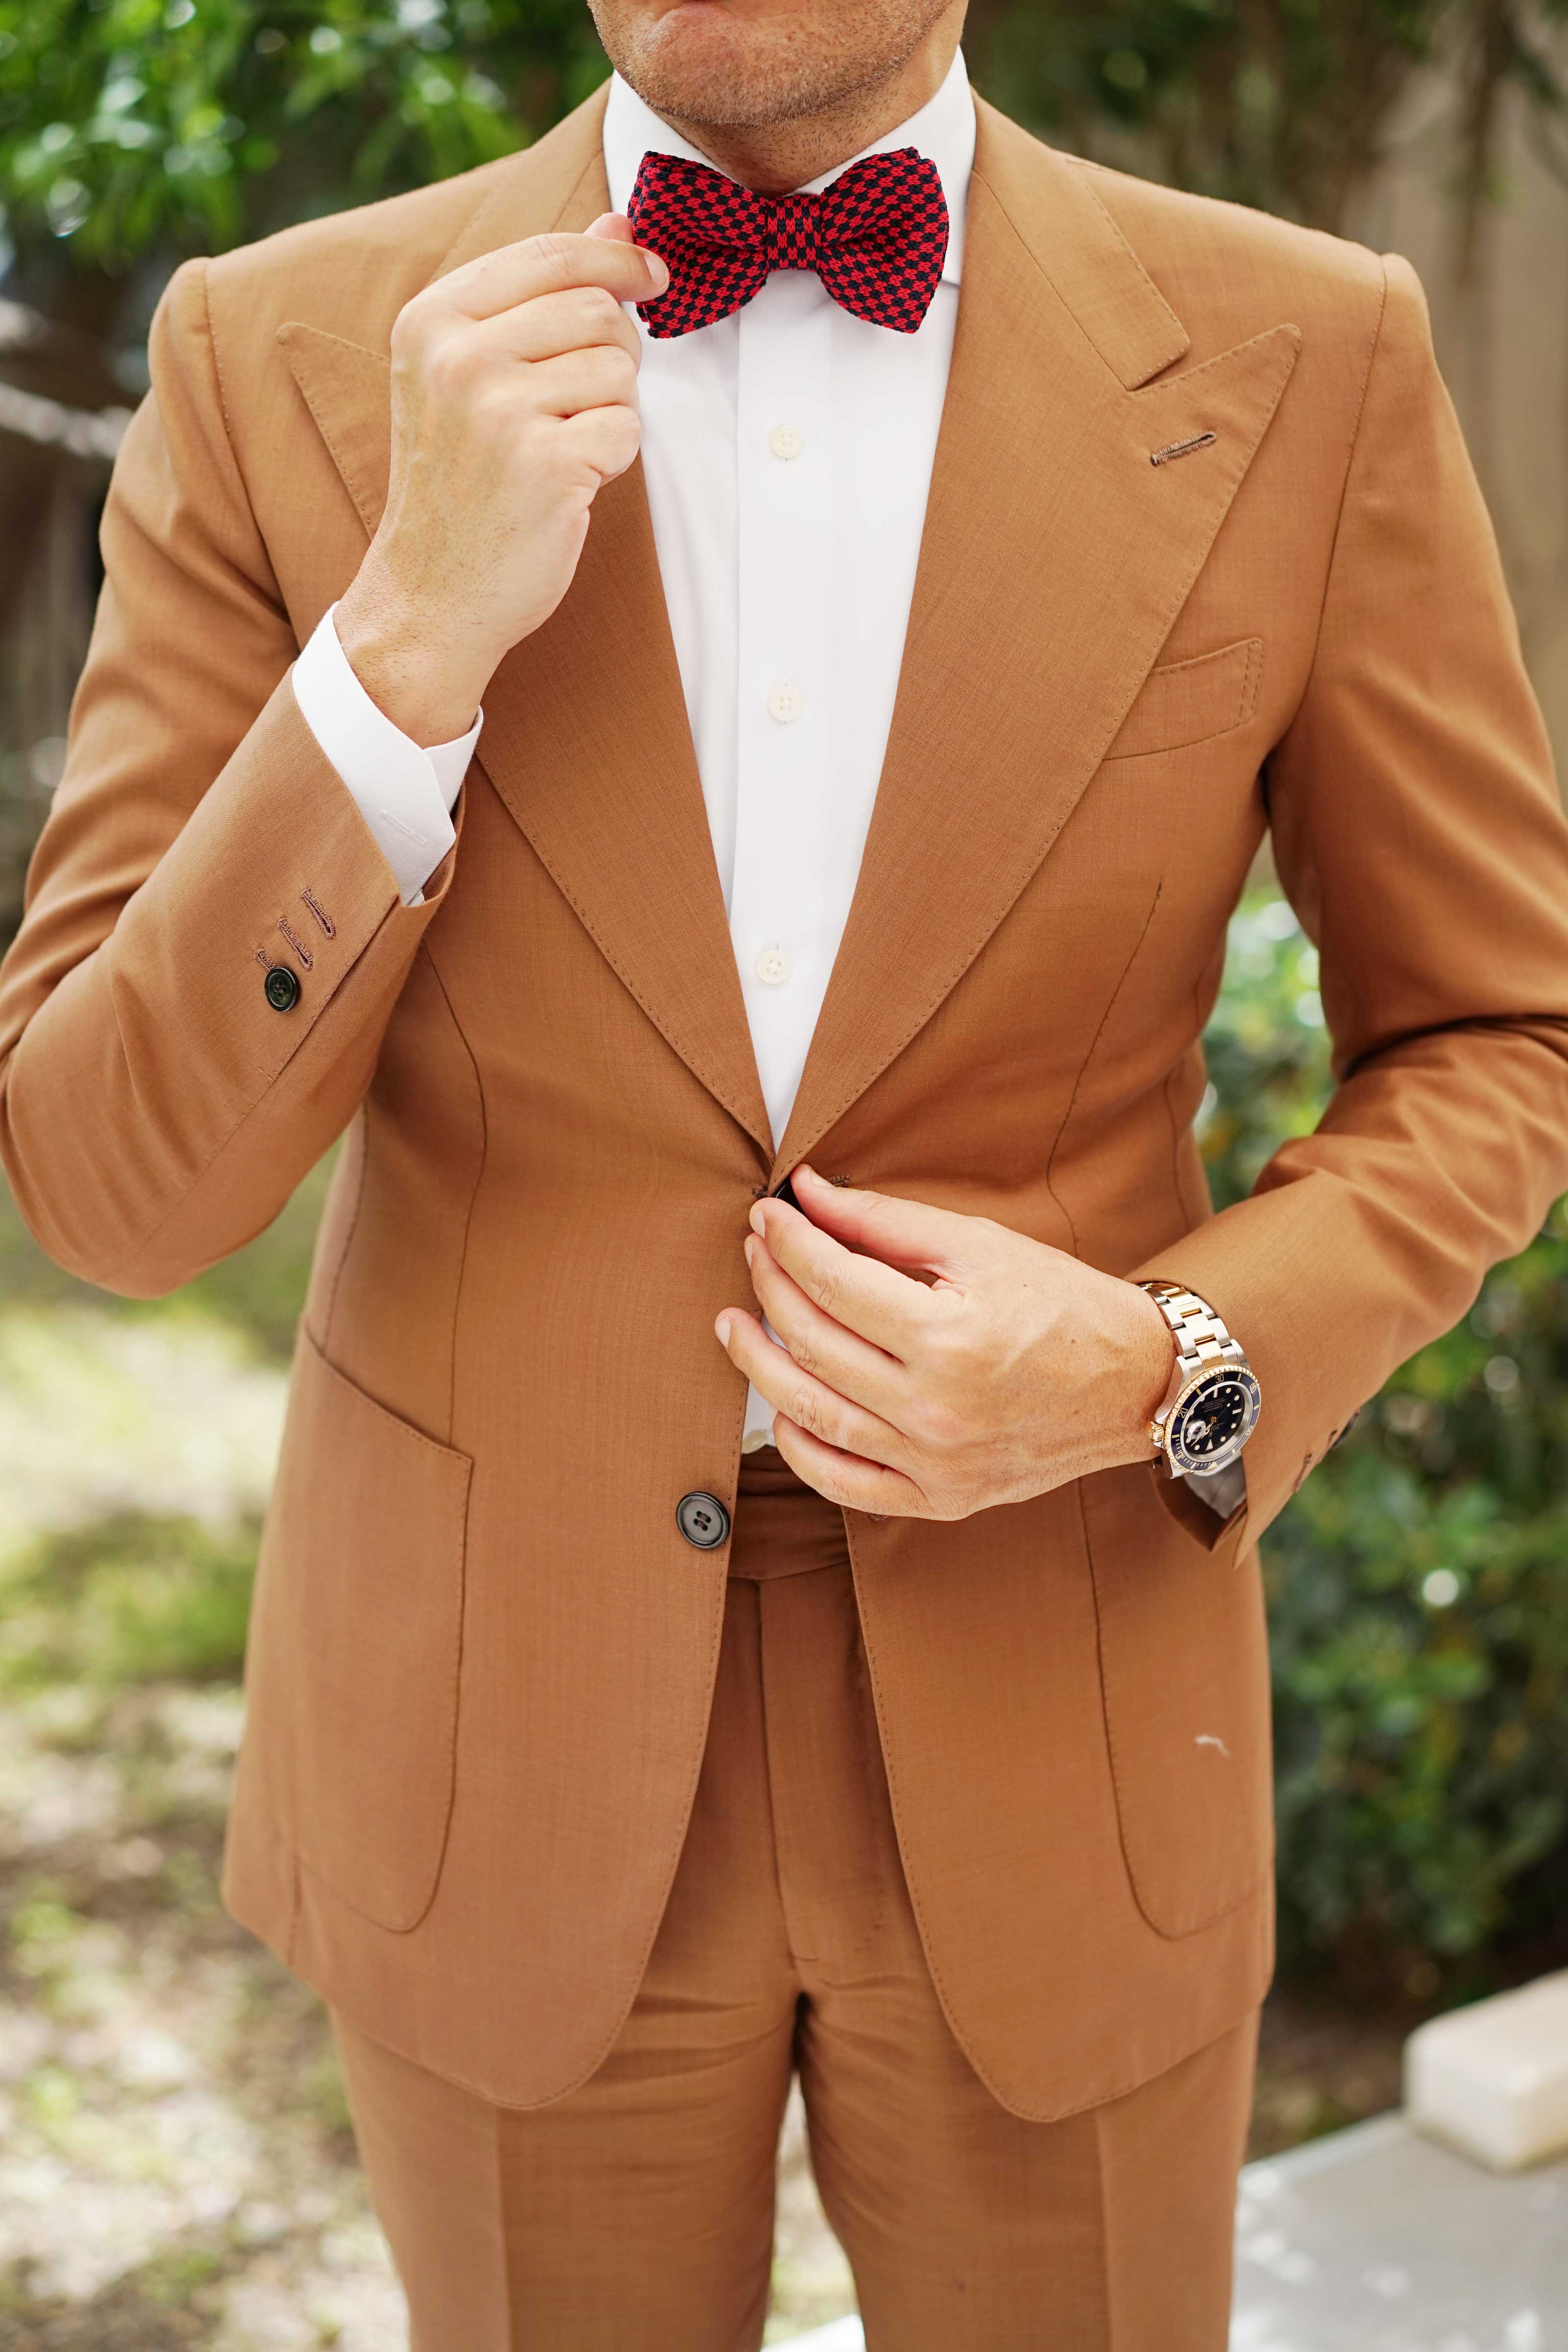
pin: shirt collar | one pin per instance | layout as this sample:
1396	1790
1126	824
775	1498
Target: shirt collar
943	129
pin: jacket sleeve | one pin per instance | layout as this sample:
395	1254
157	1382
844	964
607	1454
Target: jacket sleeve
1419	835
156	1108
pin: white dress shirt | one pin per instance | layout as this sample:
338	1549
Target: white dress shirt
787	451
788	571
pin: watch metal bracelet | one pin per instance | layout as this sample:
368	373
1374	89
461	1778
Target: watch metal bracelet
1201	1337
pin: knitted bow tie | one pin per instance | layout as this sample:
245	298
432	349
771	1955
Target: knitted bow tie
876	236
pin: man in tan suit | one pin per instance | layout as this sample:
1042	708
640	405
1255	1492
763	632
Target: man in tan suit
647	1701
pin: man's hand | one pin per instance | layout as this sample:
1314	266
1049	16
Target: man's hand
1014	1370
513	400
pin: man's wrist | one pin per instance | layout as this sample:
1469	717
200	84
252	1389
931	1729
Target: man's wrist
398	658
1150	1359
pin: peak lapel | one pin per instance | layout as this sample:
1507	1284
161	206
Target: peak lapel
346	389
1054	562
585	740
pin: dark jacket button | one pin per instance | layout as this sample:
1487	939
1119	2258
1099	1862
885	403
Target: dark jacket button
282	987
702	1520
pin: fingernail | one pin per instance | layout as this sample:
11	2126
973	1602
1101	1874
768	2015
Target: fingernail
722	1329
808	1171
658	271
759	1223
749	1248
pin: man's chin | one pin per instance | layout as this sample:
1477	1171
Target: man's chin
699	64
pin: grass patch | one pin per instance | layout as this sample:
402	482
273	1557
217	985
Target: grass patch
133	1599
170	2303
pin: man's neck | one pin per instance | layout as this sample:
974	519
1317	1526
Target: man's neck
774	157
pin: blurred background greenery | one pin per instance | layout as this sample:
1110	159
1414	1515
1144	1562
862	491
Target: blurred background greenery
1418	1601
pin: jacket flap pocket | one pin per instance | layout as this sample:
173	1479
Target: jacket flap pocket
1187	701
356	1639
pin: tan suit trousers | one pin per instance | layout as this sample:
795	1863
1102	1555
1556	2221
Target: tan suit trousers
635	2214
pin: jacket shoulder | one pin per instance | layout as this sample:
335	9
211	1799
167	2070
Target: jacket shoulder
350	273
1229	271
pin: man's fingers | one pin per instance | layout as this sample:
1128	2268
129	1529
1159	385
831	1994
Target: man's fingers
868	1375
607	439
899	1233
603	377
884	1306
848	1479
809	1402
548	265
580	318
615	227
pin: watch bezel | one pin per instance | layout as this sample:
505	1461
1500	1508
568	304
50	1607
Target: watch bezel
1184	1463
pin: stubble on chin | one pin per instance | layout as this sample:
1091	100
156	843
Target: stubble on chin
704	65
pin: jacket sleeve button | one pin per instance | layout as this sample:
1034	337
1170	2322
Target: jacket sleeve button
702	1520
282	987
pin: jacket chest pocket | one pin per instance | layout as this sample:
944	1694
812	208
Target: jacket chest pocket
1189	701
356	1641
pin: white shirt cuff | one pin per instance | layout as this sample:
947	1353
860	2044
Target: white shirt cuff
405	794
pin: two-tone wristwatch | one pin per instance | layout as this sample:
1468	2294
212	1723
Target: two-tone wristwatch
1212	1405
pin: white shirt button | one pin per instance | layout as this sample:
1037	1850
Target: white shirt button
773	966
755	1440
786	441
785	703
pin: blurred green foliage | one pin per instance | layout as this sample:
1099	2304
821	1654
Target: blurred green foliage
1267	1048
132	125
132	1599
1418	1590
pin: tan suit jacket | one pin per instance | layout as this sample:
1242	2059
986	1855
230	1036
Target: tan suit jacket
482	1653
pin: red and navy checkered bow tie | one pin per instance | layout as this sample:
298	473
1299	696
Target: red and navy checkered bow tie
876	236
